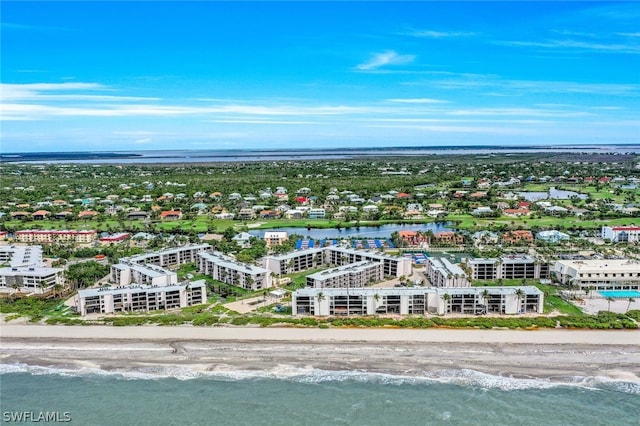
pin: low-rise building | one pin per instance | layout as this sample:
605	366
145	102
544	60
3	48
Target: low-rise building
621	234
448	238
55	236
170	257
416	301
275	238
20	256
171	215
598	274
228	270
442	273
30	279
114	238
317	213
128	273
141	298
517	237
552	236
358	274
507	267
302	260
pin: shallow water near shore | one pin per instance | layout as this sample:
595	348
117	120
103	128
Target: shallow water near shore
314	397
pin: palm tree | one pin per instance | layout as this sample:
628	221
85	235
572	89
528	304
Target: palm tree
609	300
519	295
485	297
56	290
630	300
445	298
376	297
320	297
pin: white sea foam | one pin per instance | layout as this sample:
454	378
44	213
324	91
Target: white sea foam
467	378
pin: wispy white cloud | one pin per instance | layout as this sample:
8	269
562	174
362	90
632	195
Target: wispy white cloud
241	121
519	87
490	130
417	101
522	112
575	44
27	27
439	34
385	58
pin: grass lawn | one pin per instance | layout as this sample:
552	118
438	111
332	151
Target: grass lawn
552	301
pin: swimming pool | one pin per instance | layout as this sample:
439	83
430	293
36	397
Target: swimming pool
617	294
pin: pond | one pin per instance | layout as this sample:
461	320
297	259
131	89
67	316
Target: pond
382	231
553	194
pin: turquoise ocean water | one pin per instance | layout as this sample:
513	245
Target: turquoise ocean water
313	397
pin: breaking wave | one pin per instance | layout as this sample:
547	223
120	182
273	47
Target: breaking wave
462	377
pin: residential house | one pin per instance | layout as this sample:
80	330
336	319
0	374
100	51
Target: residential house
242	239
552	236
317	213
87	214
447	238
246	214
275	238
40	214
517	237
171	215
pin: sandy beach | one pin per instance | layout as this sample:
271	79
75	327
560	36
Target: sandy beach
551	354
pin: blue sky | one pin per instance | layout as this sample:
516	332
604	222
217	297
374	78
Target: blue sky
221	75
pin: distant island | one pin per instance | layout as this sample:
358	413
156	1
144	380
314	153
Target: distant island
60	156
234	155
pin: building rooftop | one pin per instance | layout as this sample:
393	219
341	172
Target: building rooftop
392	291
89	292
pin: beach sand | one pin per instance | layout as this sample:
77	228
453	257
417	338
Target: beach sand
551	354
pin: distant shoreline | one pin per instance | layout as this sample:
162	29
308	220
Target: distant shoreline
213	155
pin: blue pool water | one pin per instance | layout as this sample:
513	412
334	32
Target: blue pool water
617	294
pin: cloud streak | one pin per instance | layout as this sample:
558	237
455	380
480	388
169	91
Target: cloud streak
575	44
417	101
439	34
382	59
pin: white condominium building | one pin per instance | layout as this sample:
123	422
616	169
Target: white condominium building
141	298
507	267
127	273
302	260
296	261
359	274
600	274
16	256
621	234
417	301
170	257
26	272
228	270
30	279
442	273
